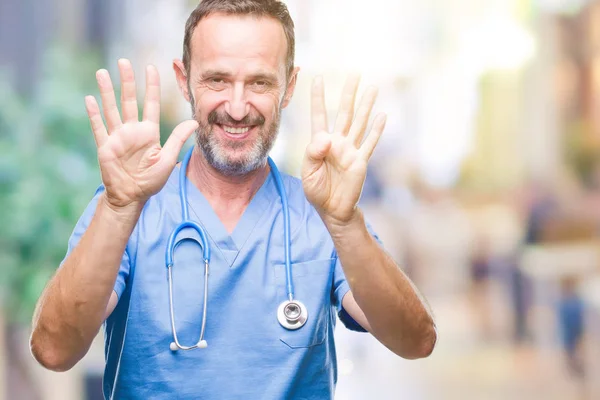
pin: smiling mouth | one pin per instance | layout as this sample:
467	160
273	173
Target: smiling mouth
235	130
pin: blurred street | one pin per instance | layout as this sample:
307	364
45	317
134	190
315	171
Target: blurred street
464	365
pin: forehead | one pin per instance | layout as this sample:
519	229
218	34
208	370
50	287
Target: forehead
238	43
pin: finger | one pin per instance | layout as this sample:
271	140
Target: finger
318	149
346	112
315	153
128	94
98	128
359	125
152	100
366	149
109	103
178	137
318	109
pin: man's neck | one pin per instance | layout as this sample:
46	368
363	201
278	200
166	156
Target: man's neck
228	195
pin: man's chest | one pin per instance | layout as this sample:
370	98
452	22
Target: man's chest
245	289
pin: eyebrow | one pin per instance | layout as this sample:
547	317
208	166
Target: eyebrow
215	72
264	76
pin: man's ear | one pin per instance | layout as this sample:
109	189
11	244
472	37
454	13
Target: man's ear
291	86
182	79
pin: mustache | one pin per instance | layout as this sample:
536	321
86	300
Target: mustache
221	118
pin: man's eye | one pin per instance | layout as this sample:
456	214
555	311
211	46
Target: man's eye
216	80
261	85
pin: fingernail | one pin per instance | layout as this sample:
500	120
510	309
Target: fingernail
101	75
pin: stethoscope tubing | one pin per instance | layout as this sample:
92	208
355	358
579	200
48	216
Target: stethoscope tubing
172	244
286	228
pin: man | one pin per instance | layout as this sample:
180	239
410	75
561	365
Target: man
238	74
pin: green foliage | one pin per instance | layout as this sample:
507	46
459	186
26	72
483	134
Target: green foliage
48	174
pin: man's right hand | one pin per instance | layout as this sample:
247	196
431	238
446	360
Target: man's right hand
132	163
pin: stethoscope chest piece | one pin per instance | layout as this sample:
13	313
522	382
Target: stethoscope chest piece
292	314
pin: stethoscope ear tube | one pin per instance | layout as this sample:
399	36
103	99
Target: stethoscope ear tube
175	345
169	259
171	244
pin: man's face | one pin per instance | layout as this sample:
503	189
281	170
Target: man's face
237	87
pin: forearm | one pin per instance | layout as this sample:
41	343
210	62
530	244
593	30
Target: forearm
397	315
72	307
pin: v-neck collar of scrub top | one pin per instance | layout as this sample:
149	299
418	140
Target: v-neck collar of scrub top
200	209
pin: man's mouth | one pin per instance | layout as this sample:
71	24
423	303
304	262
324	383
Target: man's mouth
236	132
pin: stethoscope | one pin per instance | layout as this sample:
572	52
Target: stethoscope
291	313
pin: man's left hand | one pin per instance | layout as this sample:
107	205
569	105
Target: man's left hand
335	164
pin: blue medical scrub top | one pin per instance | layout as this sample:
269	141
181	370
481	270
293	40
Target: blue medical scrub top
249	355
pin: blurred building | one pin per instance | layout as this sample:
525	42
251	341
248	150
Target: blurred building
29	28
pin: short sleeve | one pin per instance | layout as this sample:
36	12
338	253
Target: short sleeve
79	230
341	287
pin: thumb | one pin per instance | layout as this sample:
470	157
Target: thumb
316	151
178	137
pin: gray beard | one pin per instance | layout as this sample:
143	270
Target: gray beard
216	155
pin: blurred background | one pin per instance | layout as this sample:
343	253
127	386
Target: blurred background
485	186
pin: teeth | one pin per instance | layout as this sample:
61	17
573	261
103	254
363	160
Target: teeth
229	129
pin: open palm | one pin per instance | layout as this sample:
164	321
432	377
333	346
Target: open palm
133	164
335	164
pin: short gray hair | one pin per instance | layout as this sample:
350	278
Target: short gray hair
259	8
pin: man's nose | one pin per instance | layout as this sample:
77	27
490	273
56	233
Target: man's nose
237	106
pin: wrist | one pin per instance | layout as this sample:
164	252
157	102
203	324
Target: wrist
125	212
338	227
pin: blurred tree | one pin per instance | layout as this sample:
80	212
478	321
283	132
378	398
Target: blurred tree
48	174
46	169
